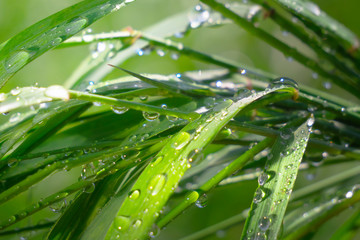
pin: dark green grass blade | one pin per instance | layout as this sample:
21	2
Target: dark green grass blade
276	183
50	32
160	178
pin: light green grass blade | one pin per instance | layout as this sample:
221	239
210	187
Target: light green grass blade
276	183
50	32
155	185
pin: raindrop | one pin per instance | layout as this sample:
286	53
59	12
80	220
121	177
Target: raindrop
75	25
155	231
119	110
313	8
263	177
134	194
175	56
310	122
156	184
151	116
58	206
260	236
137	223
202	201
315	75
264	224
195	156
122	223
327	85
285	133
143	98
156	161
2	97
179	35
16	61
87	37
90	188
16	91
218	84
97	104
181	140
198	17
56	41
160	52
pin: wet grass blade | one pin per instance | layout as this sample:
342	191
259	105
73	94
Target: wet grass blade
50	32
276	183
157	182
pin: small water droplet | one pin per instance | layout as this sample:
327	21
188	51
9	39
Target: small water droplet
202	201
16	91
156	161
218	84
155	231
327	85
313	8
16	61
156	184
75	25
315	75
310	122
97	104
143	98
175	56
119	110
285	133
90	188
283	82
2	97
151	116
58	206
137	223
13	162
199	16
134	194
160	52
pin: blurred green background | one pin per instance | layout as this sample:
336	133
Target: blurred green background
228	41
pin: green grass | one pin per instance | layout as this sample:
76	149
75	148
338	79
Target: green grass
116	154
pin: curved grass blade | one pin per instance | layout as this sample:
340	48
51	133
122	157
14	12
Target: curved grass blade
157	182
347	231
50	32
276	183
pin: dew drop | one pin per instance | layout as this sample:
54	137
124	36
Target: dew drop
314	9
181	140
155	231
57	92
175	56
202	201
119	110
195	156
315	75
260	236
156	184
285	133
135	194
137	223
198	17
122	223
143	98
310	122
58	206
151	116
160	52
264	223
11	219
56	41
327	85
97	104
157	161
13	162
90	188
16	61
2	97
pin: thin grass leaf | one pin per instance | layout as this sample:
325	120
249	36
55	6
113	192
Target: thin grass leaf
276	183
50	32
347	230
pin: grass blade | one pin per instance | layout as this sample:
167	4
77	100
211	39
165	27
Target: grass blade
276	183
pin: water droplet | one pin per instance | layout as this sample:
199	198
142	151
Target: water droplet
156	161
151	116
75	25
56	41
15	117
57	92
97	104
175	56
218	84
16	61
283	82
313	8
195	156
160	52
134	194
13	162
181	140
90	188
315	75
202	201
58	206
143	98
263	177
242	93
264	223
198	17
260	236
155	231
11	219
179	35
259	195
119	110
310	122
2	97
156	184
137	223
122	223
327	85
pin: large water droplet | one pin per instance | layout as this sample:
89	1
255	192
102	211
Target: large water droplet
264	223
14	117
156	161
134	194
122	223
259	195
151	116
75	25
263	177
16	61
202	201
283	82
181	140
119	110
156	184
57	92
137	223
155	231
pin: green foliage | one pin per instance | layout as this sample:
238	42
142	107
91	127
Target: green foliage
122	158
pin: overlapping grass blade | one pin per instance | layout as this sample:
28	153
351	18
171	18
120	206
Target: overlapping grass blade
276	183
